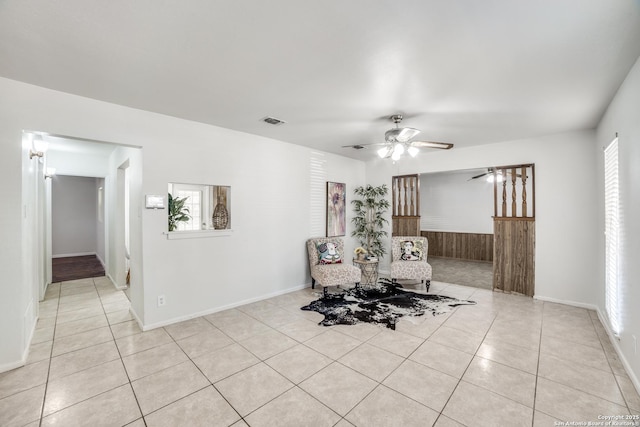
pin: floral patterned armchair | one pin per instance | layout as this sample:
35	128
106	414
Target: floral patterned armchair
328	264
409	259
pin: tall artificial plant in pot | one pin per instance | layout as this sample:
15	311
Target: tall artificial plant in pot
178	212
369	218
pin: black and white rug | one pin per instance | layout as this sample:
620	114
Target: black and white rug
382	304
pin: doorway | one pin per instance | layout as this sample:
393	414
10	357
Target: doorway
480	225
456	218
116	171
123	227
77	232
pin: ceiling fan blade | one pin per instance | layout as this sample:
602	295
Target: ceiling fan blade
432	144
361	146
479	176
406	134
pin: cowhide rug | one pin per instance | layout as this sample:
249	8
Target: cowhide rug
383	304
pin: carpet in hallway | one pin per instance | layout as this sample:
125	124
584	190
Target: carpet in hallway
76	267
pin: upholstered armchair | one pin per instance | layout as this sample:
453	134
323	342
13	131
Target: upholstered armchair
409	259
328	264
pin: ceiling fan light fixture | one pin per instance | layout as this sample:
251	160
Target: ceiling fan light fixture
399	140
398	150
384	152
497	177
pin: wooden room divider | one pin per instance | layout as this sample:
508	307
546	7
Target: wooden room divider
405	195
514	229
513	223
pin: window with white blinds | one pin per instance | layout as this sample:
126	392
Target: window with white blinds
612	233
317	194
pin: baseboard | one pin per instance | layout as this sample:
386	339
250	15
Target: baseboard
115	284
614	341
605	323
565	302
101	262
136	317
13	365
25	354
217	309
75	254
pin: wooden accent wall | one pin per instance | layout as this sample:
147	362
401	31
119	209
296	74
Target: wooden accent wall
514	229
405	204
469	246
405	226
514	266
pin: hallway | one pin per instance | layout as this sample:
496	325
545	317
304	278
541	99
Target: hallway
85	316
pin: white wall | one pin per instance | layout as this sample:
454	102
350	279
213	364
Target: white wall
74	216
270	206
622	117
78	164
452	201
265	255
11	296
566	221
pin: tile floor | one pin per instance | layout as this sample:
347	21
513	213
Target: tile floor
508	361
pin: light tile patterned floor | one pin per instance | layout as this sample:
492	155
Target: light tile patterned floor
508	361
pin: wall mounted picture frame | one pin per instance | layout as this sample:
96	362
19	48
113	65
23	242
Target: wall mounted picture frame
336	209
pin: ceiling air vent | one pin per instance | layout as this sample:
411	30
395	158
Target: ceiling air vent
273	121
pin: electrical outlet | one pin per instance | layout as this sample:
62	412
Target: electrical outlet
161	300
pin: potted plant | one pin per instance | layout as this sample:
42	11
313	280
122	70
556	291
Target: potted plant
369	218
178	212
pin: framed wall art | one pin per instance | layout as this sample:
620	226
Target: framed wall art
336	209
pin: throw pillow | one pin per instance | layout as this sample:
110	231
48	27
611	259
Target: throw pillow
328	253
411	250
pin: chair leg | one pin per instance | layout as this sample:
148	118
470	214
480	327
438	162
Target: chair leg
427	284
313	283
324	292
357	285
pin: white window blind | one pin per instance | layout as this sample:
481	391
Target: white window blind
317	194
612	232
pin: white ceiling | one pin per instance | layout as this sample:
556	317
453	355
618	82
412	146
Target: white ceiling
463	71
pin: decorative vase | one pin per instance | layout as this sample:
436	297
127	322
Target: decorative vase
220	217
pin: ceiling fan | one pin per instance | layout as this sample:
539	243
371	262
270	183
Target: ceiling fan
491	176
398	141
488	172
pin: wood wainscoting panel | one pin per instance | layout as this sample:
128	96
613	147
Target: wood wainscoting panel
405	226
469	246
513	266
